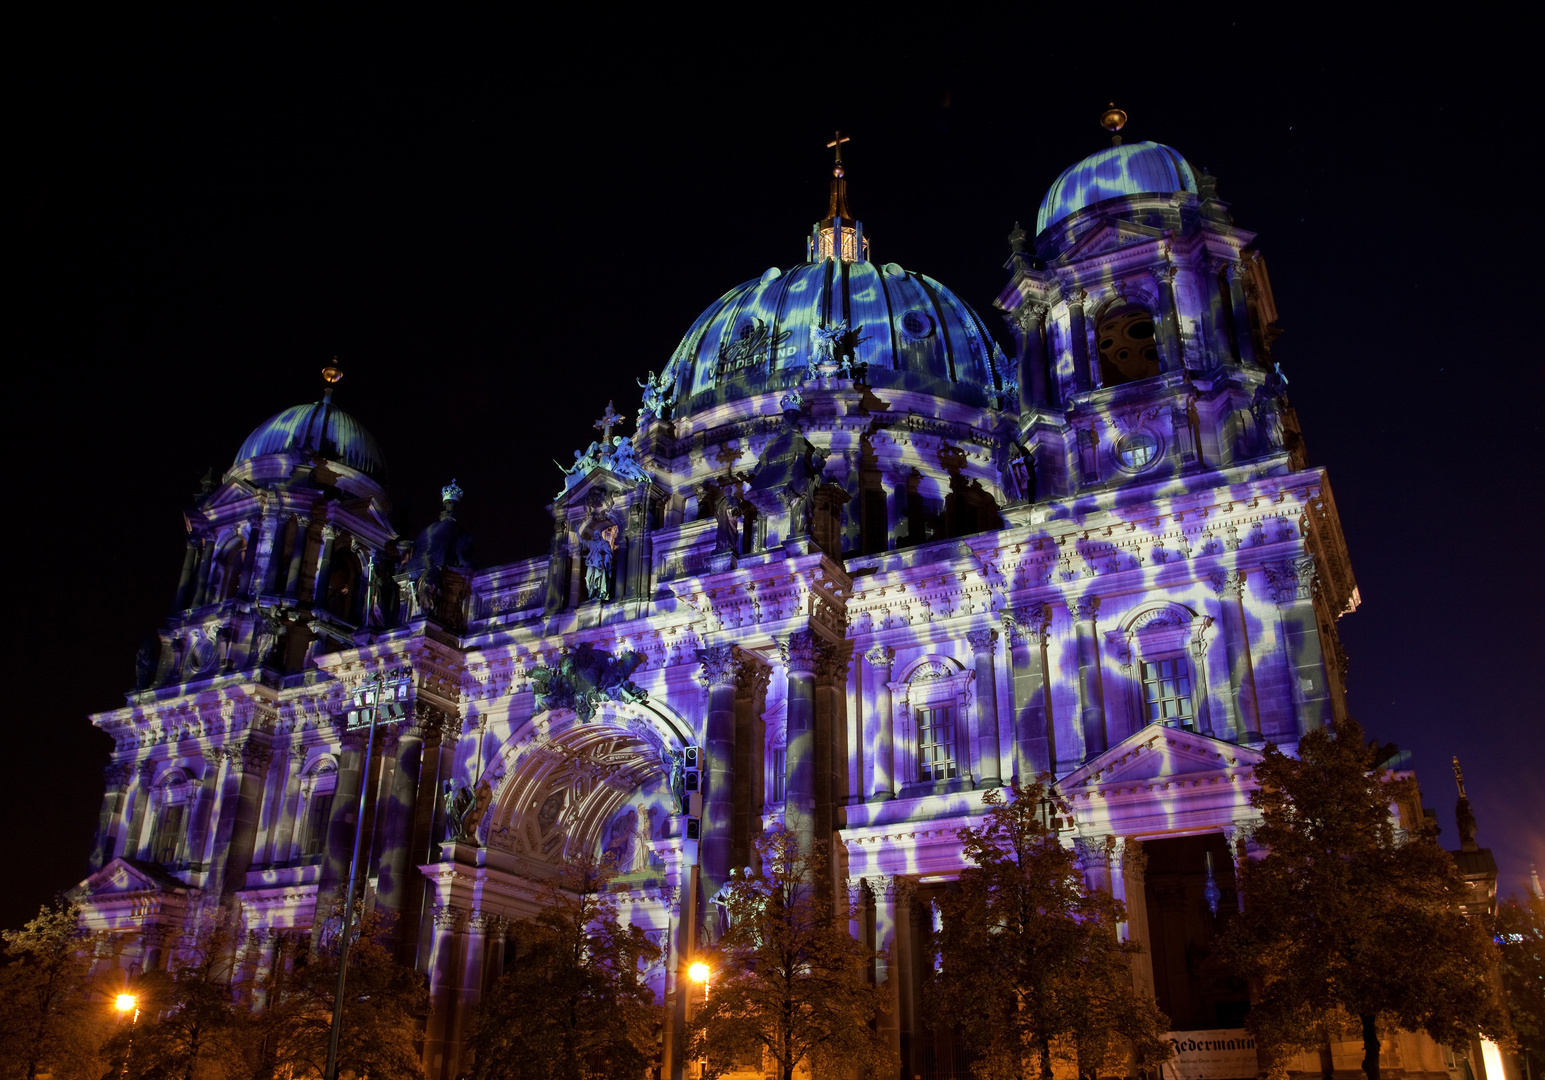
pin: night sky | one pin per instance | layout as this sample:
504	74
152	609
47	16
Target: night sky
497	227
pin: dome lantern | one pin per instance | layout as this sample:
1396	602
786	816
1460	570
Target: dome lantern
840	235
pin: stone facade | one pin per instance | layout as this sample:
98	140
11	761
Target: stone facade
870	564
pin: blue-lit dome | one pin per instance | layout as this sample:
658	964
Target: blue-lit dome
1129	169
908	331
319	428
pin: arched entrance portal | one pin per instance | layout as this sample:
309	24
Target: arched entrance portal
569	787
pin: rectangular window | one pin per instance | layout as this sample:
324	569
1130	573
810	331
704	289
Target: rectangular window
319	813
168	832
780	772
1167	692
936	744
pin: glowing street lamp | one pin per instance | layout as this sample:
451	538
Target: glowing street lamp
125	1004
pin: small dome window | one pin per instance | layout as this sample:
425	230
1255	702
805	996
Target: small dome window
915	324
1137	450
1128	351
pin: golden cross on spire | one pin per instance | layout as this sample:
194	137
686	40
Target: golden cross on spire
609	420
836	144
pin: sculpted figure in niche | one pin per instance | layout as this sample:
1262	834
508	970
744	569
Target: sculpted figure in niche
598	562
675	770
727	511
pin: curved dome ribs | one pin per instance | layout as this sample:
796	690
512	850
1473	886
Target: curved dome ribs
906	330
319	428
1129	169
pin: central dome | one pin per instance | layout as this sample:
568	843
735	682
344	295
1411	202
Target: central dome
1140	168
319	428
906	330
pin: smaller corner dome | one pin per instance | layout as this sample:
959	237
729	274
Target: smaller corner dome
319	428
1129	169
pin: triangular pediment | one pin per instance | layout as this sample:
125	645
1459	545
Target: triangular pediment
1160	753
123	877
1111	236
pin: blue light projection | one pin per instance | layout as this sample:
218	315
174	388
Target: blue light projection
867	563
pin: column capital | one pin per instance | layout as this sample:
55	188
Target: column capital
1027	623
249	755
1084	608
720	665
982	641
881	657
1029	315
146	769
1229	585
450	917
116	776
798	652
1074	296
831	663
1164	273
330	531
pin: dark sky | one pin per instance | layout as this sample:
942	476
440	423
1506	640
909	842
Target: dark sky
497	227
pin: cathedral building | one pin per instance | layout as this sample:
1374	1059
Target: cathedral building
854	567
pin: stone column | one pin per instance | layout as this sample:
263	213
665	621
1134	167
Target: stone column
128	843
444	965
324	562
1032	356
903	891
1128	884
284	829
235	833
110	821
1244	337
1230	587
882	783
1218	313
1035	744
719	676
297	556
799	662
831	680
340	827
396	868
190	561
989	750
481	926
201	580
1172	355
1292	585
260	550
1091	684
1079	338
198	826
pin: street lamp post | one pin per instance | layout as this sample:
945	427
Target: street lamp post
389	690
700	972
125	1004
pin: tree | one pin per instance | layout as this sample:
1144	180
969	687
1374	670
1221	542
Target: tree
385	1005
573	1004
191	1025
1348	918
1521	948
48	1020
1030	966
787	979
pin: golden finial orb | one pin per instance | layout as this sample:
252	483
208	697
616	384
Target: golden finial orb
332	372
1113	120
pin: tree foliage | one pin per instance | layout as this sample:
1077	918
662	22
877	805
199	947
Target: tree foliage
49	1021
385	1004
1349	918
1031	970
573	1004
1521	947
189	1026
789	982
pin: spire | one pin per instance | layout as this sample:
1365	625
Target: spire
1113	120
330	375
838	206
1463	817
839	236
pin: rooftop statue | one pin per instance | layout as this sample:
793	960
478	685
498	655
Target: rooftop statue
659	394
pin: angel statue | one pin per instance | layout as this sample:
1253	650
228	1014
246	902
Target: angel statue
674	763
657	393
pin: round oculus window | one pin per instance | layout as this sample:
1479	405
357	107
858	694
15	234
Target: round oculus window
915	324
1137	450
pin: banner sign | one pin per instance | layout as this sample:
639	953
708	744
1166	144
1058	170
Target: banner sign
1219	1054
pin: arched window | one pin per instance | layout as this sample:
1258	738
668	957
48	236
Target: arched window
344	586
226	573
318	791
1128	347
172	796
933	717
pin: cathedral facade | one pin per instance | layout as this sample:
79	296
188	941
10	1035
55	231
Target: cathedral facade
856	566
